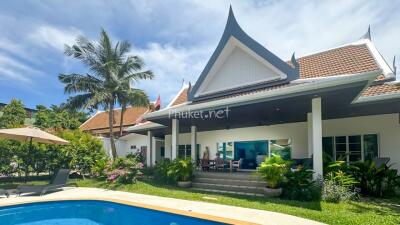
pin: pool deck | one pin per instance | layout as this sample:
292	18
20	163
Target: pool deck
211	211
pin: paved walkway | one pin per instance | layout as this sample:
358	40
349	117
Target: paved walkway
235	215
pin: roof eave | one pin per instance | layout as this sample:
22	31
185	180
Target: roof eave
306	86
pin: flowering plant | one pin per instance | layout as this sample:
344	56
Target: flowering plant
123	170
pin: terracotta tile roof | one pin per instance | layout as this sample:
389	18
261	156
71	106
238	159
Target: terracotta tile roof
343	60
100	120
380	89
181	98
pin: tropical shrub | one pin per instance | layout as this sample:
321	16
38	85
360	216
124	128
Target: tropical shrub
181	169
273	170
300	186
123	170
99	168
334	192
161	172
375	181
82	151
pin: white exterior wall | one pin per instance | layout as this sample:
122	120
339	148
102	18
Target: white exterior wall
137	140
386	126
119	145
123	145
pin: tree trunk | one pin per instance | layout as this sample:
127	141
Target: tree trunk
121	123
111	126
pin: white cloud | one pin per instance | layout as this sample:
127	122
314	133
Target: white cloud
171	66
12	69
54	37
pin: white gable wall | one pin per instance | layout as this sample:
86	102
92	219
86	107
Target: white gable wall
238	66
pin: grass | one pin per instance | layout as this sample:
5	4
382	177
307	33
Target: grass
364	211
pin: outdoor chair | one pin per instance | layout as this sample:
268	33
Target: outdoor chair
4	192
381	161
205	164
237	165
59	181
220	164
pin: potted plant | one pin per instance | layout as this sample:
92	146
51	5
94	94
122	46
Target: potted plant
273	170
182	171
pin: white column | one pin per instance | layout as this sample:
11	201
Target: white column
193	141
175	138
317	137
149	147
310	134
153	151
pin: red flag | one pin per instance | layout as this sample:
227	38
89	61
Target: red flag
157	104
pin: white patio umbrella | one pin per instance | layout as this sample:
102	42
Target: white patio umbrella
30	134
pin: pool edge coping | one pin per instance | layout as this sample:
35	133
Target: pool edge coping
142	205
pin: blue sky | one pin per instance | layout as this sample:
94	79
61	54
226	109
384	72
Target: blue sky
175	38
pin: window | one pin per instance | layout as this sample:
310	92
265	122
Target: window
351	148
162	151
354	148
184	151
281	147
370	146
341	148
327	148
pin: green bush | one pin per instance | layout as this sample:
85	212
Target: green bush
82	151
273	170
375	181
299	185
181	169
161	172
334	192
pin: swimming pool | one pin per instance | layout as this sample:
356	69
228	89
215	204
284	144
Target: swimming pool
91	212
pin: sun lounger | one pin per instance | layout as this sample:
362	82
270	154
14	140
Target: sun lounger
59	181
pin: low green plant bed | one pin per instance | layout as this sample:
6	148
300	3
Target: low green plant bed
364	211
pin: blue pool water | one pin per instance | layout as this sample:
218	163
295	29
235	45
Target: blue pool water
90	213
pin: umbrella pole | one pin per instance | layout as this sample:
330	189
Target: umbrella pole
28	160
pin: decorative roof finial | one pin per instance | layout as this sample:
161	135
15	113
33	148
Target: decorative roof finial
368	34
294	62
394	65
189	88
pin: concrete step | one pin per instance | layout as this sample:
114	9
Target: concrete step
254	183
233	175
228	187
228	192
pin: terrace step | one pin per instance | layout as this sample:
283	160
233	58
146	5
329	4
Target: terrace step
253	183
228	192
243	183
229	188
221	175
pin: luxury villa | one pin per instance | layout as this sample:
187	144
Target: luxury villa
247	103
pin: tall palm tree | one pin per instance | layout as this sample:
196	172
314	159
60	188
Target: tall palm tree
112	71
131	97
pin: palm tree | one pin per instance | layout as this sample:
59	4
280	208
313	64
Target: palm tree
131	97
112	71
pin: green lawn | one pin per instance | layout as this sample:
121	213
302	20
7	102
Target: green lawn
365	211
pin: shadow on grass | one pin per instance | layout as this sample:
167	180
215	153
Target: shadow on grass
383	207
233	199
